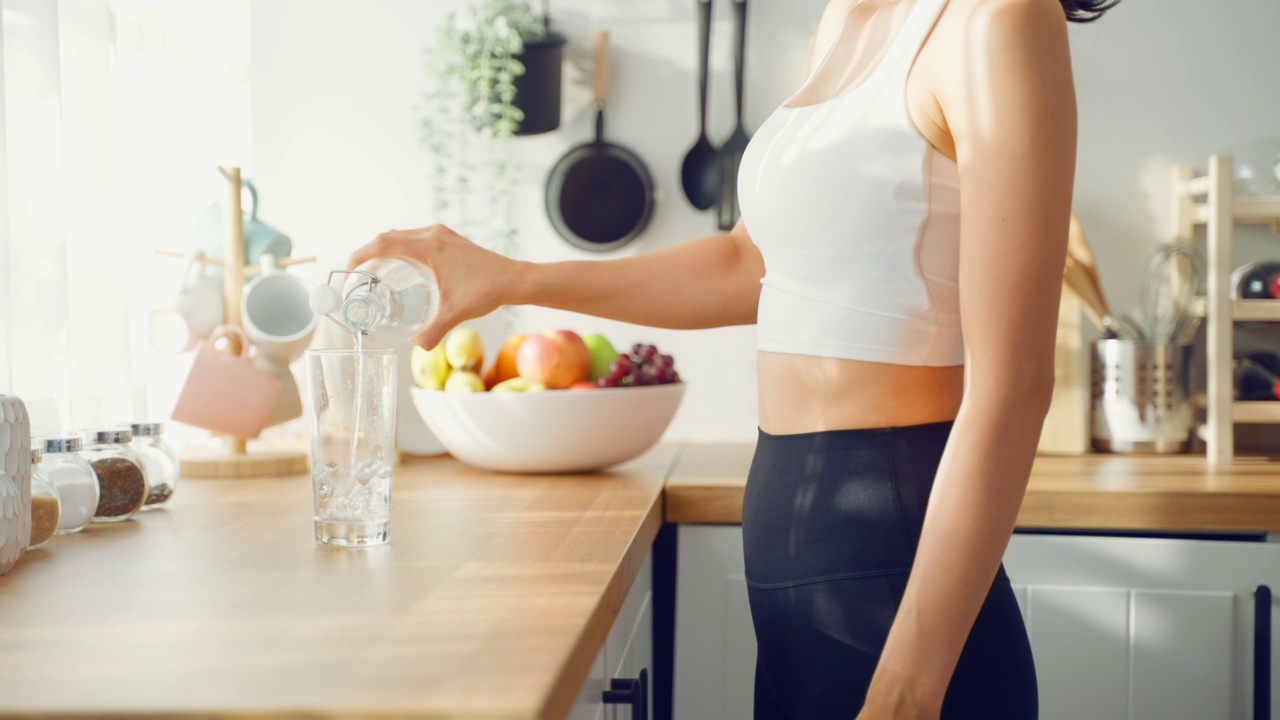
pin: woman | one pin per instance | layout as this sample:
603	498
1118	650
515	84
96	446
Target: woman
919	181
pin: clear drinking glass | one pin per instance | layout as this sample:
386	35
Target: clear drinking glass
353	431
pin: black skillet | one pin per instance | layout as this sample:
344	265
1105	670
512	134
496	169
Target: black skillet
599	195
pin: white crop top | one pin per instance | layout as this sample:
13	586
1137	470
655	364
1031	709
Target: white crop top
857	219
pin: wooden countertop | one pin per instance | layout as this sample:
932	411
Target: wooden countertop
492	600
1173	493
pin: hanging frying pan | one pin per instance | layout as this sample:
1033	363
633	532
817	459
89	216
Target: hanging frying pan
599	195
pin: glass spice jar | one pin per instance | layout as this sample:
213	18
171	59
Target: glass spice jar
44	504
122	479
73	478
158	460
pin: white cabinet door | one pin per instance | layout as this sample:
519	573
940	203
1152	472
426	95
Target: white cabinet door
1121	628
1152	628
715	643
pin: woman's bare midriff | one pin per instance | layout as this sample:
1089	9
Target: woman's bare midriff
804	393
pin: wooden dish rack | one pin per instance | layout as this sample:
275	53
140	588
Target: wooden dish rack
1210	200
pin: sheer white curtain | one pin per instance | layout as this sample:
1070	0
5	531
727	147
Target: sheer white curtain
113	114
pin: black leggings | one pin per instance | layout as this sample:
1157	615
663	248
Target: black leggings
830	522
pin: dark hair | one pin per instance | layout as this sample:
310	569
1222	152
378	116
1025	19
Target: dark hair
1083	11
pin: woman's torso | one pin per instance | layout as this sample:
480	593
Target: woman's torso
806	393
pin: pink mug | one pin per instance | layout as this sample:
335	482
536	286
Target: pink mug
224	392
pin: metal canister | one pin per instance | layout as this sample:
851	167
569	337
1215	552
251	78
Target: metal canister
1142	400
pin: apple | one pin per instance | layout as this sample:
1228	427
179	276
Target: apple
557	359
602	354
429	367
463	381
504	366
518	384
583	385
463	348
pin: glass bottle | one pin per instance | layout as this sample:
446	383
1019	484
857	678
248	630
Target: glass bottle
158	460
1255	381
45	506
122	478
73	478
386	300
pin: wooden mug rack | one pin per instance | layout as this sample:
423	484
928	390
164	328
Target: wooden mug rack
234	459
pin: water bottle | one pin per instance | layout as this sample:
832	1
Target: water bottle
386	300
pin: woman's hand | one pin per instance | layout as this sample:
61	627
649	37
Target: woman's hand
473	281
892	697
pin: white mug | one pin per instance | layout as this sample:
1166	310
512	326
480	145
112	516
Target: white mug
276	312
192	314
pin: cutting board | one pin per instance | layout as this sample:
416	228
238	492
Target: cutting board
1066	427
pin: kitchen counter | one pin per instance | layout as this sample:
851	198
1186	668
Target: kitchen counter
491	601
1172	493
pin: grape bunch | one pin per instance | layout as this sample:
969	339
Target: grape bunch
644	365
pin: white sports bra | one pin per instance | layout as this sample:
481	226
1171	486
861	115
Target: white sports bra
857	219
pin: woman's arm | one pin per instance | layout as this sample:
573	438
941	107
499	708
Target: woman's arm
1011	109
710	282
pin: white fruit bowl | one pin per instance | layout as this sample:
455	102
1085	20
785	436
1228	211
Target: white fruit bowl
554	431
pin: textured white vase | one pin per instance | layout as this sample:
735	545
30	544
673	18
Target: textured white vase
15	481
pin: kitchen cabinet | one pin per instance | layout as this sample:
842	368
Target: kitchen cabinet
628	649
1154	628
1122	628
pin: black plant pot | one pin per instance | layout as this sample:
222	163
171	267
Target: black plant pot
538	89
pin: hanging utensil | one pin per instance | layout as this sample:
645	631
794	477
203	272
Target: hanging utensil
1166	296
701	171
1081	275
733	148
599	195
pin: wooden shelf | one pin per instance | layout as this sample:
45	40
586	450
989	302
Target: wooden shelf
1245	210
1243	310
1255	412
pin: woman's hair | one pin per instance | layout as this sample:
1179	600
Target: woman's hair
1083	11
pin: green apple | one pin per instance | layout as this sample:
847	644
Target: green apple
429	367
602	354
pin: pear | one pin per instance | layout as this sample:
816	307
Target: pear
464	381
518	384
429	367
463	349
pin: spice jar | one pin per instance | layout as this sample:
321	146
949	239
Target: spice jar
122	481
158	460
73	478
44	504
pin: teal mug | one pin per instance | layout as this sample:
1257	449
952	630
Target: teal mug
259	238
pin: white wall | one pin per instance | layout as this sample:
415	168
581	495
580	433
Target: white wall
337	159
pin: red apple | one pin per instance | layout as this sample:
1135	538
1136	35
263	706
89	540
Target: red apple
557	359
583	385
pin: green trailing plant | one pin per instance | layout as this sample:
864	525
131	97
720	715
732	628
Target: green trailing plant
470	119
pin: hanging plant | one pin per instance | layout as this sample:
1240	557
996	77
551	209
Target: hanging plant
482	94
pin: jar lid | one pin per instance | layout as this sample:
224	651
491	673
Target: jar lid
58	444
109	436
151	429
36	455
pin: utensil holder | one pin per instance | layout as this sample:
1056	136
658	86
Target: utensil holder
1141	399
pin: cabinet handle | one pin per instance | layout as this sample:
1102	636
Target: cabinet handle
1262	653
630	691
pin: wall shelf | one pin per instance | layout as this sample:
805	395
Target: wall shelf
1210	200
1242	310
1261	412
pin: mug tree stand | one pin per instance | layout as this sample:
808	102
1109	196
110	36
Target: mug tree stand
234	459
